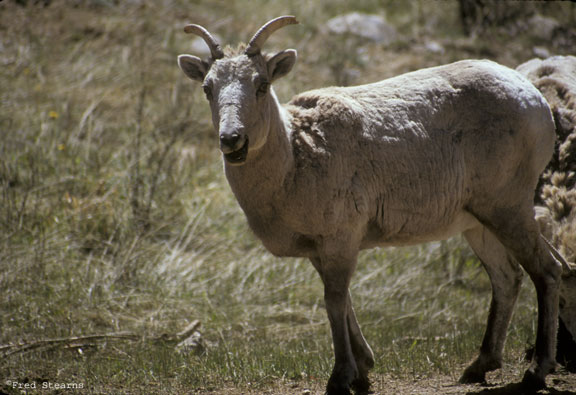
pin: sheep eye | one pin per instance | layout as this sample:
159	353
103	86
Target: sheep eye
207	91
263	88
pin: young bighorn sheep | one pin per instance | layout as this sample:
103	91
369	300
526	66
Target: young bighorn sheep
415	158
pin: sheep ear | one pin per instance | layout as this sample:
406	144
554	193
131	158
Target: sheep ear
280	64
194	67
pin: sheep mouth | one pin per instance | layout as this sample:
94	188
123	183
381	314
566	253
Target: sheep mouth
239	156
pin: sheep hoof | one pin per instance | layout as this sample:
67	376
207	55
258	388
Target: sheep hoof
337	391
361	386
472	376
533	382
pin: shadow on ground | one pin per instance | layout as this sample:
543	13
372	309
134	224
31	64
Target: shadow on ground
520	389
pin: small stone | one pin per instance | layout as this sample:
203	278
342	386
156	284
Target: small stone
541	52
434	47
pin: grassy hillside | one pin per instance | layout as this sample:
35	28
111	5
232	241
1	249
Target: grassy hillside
115	216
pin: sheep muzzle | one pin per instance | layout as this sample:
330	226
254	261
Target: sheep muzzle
238	156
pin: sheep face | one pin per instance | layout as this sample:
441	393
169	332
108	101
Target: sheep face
240	96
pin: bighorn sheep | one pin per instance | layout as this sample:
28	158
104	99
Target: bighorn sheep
419	157
555	77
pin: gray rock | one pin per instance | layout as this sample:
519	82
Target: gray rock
434	47
541	52
543	27
370	27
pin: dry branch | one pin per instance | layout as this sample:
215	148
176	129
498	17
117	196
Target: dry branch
89	340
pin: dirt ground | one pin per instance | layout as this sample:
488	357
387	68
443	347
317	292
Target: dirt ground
504	382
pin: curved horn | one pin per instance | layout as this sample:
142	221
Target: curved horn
255	45
214	46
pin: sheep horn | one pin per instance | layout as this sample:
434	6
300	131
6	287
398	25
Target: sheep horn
255	45
214	46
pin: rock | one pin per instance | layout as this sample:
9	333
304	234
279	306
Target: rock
543	27
434	47
369	27
541	52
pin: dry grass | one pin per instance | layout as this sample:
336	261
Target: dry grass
115	215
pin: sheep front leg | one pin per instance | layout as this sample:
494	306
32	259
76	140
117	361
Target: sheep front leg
362	352
336	274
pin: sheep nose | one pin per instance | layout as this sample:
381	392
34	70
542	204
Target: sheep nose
229	142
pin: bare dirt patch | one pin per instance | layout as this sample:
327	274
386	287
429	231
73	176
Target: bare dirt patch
504	382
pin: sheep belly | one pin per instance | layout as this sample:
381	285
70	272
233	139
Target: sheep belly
376	236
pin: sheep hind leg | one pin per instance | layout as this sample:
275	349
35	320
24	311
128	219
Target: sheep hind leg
545	272
505	277
517	229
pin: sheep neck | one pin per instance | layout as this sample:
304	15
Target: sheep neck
263	176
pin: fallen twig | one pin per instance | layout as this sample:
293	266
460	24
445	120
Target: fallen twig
89	340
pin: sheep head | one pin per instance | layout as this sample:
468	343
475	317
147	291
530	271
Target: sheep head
237	85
